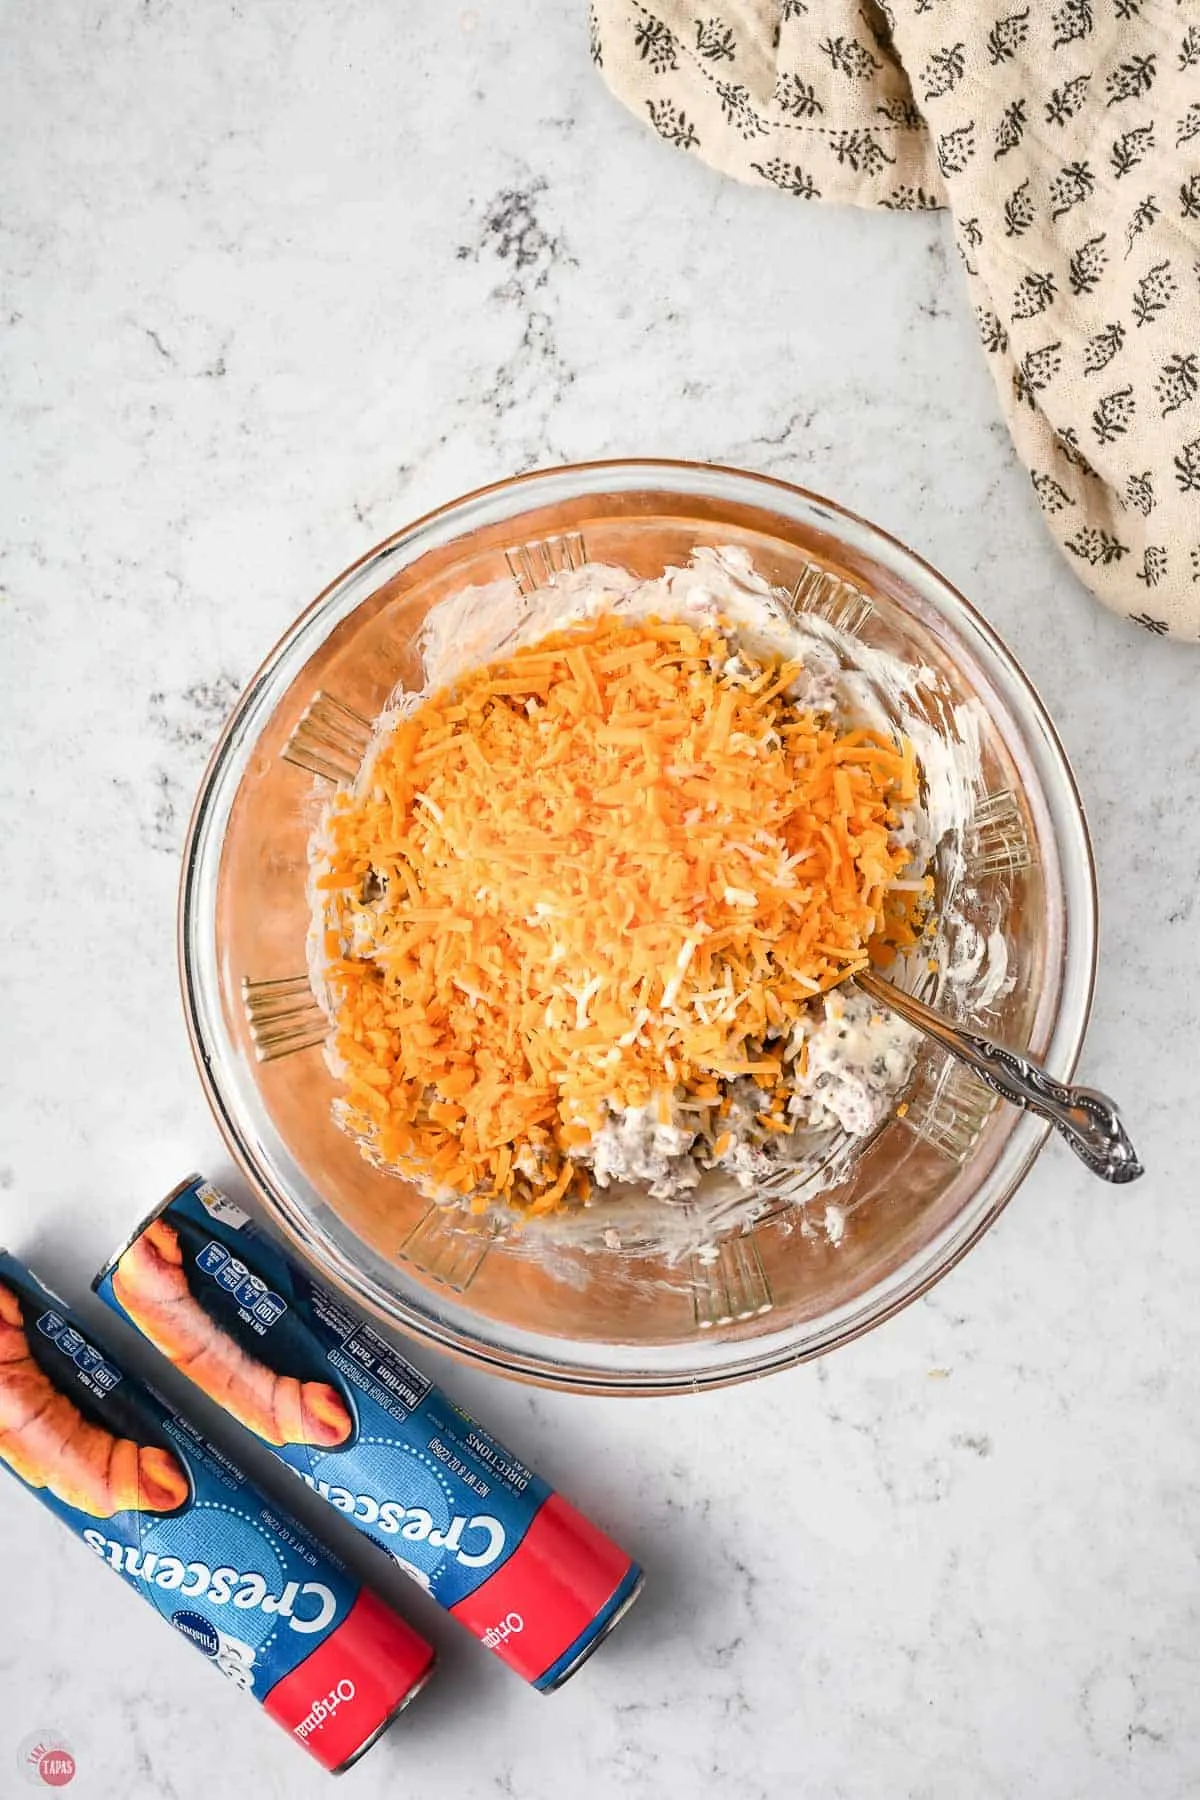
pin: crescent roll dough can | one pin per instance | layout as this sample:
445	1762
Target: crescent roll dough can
241	1579
295	1364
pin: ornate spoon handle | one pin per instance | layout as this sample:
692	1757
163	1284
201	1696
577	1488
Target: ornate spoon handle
1087	1119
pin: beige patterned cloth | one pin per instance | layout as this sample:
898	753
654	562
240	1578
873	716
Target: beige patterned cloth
1064	135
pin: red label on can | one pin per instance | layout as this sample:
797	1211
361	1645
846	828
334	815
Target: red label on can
339	1697
546	1595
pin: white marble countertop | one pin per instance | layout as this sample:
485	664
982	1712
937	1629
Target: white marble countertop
277	280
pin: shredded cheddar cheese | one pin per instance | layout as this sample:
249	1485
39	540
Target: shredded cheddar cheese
603	872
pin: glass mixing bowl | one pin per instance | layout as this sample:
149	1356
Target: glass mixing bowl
919	1193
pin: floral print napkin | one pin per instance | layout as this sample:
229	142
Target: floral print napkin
1064	136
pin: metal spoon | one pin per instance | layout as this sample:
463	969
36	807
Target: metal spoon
1087	1119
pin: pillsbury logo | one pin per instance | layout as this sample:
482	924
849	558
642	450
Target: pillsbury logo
196	1627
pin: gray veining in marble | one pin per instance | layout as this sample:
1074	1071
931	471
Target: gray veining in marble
276	279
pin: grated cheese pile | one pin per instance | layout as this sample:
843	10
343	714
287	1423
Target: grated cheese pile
610	871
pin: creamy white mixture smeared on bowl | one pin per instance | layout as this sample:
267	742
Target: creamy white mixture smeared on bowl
846	1062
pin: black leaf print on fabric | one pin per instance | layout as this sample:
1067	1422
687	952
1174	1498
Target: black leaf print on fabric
1129	79
911	199
1140	219
1113	415
992	332
1072	184
1068	443
1033	294
1154	565
1158	627
1099	351
1006	37
715	40
1127	9
1154	293
956	148
861	150
849	57
1130	149
1195	559
944	70
1187	468
1052	495
1019	211
1072	20
972	231
1177	382
1189	125
738	109
672	124
1189	49
796	97
595	47
1139	492
1088	265
1065	101
788	176
1036	371
1010	130
793	9
1100	548
656	44
898	111
1189	198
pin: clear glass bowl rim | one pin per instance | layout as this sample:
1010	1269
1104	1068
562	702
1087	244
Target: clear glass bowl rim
498	501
